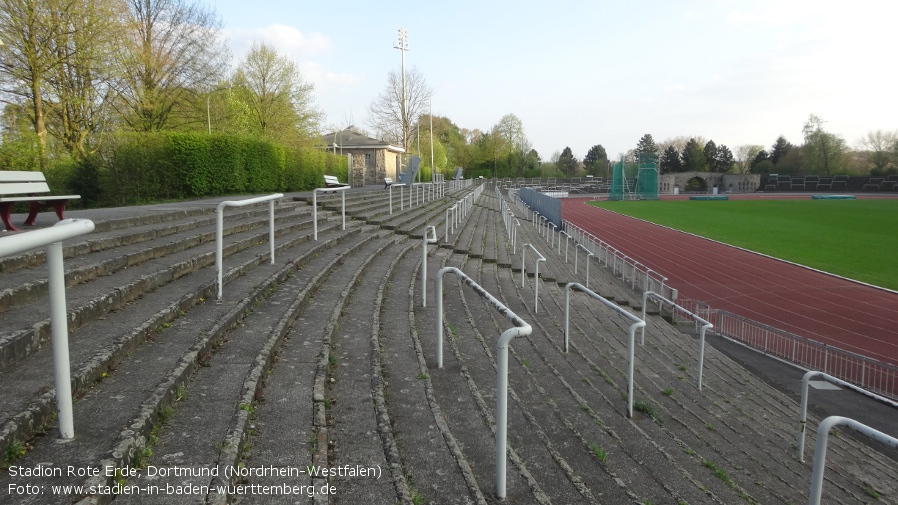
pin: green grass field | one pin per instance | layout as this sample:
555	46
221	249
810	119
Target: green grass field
853	238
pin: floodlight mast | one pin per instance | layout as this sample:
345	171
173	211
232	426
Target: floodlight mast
402	45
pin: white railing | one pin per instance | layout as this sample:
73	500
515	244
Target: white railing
539	258
803	413
520	329
428	237
637	275
820	451
631	332
401	203
315	192
52	238
868	373
219	229
705	326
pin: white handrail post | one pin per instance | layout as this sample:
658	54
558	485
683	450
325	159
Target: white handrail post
314	216
219	238
219	228
51	239
425	240
826	425
271	229
343	208
59	330
588	256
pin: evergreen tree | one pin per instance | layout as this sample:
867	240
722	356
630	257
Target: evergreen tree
711	155
693	157
724	161
646	145
761	156
670	161
595	160
567	164
780	149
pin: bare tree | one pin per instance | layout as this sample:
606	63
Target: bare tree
387	118
745	153
878	149
173	51
280	103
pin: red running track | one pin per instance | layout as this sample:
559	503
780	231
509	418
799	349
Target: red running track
836	311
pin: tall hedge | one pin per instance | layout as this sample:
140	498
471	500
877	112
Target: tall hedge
144	167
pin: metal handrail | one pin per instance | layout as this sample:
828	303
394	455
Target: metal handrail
535	275
219	229
52	238
424	241
521	328
803	414
706	325
401	187
315	192
820	452
631	332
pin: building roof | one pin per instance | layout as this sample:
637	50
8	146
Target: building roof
351	139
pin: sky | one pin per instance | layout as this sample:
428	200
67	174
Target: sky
581	73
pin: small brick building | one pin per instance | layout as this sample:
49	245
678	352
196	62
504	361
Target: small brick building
372	159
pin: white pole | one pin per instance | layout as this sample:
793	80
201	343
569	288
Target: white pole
60	338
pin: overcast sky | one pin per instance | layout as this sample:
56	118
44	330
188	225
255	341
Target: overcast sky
599	72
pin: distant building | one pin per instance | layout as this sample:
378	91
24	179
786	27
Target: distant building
372	159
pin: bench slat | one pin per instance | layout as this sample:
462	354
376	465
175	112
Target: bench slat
22	188
38	198
19	176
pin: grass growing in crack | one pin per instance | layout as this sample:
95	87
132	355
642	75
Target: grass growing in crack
525	362
710	427
598	452
722	475
667	392
423	376
646	409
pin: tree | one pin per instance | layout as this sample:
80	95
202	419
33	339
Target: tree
54	58
878	151
389	118
172	52
279	101
596	160
567	163
693	157
82	86
780	149
724	160
670	161
822	152
710	152
761	156
26	57
646	145
745	155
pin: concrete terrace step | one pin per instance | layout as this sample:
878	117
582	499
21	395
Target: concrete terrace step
105	253
152	375
740	435
98	347
28	327
209	427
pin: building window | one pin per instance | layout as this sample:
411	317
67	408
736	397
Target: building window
367	159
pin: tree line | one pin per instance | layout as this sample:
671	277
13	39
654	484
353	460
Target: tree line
79	78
